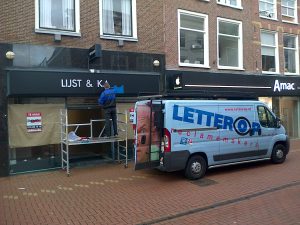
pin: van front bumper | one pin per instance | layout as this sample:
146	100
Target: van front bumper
287	144
174	161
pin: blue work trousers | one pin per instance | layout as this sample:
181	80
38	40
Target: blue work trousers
110	113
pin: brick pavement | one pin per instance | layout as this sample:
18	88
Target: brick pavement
259	193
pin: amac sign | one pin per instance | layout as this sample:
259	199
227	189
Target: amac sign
282	86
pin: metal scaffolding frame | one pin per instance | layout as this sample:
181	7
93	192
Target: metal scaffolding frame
66	128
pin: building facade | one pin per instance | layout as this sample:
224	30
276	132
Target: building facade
236	50
57	53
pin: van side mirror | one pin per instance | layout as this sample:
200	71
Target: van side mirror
278	122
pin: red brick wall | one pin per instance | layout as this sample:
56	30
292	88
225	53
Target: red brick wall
272	25
17	24
251	23
153	17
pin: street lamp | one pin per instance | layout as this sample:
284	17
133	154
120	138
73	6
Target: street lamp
10	55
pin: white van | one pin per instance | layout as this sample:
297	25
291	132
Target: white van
194	135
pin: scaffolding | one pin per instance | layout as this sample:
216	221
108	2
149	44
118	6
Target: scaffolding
69	138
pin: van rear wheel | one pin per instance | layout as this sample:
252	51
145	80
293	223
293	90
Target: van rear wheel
196	167
278	154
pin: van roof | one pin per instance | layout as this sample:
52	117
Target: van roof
205	101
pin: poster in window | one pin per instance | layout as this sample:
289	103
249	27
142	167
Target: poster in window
34	122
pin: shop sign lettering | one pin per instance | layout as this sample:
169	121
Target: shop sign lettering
283	86
78	83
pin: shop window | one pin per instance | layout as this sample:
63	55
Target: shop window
231	3
193	41
34	158
289	10
267	9
118	19
57	17
230	49
269	52
291	59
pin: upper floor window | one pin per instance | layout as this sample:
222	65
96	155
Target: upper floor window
193	40
230	47
118	19
289	10
57	16
267	9
291	58
232	3
269	52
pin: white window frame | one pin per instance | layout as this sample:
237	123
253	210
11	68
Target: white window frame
296	53
205	37
118	37
38	29
276	51
295	17
240	44
265	14
227	3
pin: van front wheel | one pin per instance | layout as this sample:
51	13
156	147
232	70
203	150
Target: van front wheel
278	154
196	167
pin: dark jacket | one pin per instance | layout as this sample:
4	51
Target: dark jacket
107	99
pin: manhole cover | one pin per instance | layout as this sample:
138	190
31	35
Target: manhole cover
203	182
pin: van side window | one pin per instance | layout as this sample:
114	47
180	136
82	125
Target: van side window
265	117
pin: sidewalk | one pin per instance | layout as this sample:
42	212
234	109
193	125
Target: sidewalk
111	194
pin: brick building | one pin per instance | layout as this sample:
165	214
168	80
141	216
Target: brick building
228	49
236	49
62	55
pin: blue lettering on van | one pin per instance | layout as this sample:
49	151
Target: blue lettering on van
241	125
188	115
183	141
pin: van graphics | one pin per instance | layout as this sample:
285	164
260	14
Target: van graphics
238	109
240	125
189	137
184	141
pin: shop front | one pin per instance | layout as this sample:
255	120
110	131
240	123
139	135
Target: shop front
280	93
36	98
36	86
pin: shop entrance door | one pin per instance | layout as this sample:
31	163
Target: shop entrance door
289	115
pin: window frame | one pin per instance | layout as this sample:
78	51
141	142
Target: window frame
120	37
38	29
205	38
240	44
276	52
295	17
296	49
268	113
224	3
264	15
